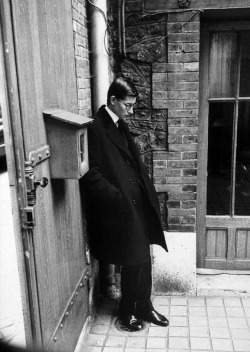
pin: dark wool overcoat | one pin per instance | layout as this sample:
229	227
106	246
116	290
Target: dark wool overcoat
122	210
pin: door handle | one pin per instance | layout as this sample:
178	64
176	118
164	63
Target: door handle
43	182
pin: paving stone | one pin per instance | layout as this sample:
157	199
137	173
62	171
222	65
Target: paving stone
222	345
220	333
197	324
234	312
156	342
200	343
95	340
196	302
178	342
241	345
232	302
241	334
163	310
216	311
199	331
247	312
178	321
102	319
198	321
197	311
161	301
99	329
178	301
115	332
175	350
178	310
240	323
214	302
115	341
220	322
158	331
92	349
136	342
246	302
178	331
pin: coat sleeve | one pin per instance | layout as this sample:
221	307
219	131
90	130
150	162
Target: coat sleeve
98	189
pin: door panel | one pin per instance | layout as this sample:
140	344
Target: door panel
224	142
44	54
223	64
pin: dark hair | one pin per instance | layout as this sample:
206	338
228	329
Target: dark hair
121	88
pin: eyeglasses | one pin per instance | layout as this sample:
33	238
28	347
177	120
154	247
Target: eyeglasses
128	105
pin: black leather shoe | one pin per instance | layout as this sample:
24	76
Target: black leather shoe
131	323
154	317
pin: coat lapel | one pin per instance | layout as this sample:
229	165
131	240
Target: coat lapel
113	132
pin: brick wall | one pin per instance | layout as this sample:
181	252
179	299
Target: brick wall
176	88
82	56
163	61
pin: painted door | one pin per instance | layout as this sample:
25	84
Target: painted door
38	67
224	147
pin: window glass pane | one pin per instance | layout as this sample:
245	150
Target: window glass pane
220	133
245	65
223	64
242	184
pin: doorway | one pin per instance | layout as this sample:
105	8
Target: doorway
224	147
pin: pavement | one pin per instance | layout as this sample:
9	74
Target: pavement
196	324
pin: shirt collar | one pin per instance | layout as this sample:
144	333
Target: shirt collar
114	117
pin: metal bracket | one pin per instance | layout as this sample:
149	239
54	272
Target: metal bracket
39	155
28	221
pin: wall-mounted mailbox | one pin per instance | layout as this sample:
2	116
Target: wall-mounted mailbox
68	141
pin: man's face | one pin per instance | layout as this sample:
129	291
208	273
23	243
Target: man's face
123	108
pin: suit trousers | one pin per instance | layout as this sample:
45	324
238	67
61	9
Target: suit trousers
136	286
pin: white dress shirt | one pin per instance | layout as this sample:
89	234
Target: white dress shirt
114	117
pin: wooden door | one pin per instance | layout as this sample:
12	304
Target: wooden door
39	65
223	231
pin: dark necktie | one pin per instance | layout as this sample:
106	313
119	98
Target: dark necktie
120	126
121	129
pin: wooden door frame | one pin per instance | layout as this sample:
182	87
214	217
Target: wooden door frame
10	103
202	147
203	137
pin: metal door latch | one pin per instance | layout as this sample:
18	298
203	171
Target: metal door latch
32	183
28	221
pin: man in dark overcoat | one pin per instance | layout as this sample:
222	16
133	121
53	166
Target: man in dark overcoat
122	210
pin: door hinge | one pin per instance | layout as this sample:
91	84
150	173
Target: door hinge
39	155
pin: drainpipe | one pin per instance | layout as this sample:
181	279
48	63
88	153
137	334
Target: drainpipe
121	28
99	55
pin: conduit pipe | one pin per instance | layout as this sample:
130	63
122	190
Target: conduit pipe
121	28
99	55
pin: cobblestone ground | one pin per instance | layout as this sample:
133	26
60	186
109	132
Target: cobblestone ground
196	324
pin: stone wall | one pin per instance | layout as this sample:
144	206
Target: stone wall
162	59
82	56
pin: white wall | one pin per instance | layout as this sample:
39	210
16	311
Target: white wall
174	273
11	315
